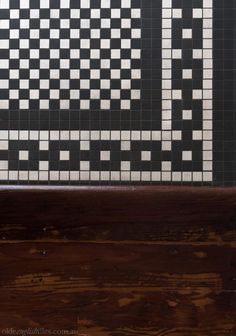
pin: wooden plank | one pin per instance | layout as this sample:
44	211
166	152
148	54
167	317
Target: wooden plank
118	289
118	261
122	213
83	265
124	312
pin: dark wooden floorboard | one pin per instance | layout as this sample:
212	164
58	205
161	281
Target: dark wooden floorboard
121	265
123	262
129	213
123	311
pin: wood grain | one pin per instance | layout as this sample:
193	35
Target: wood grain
128	213
118	261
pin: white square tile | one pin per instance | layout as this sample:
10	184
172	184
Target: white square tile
187	115
125	165
177	94
197	13
187	73
146	156
105	3
187	33
43	165
64	155
84	3
166	166
85	165
187	155
23	155
4	4
176	53
105	155
177	13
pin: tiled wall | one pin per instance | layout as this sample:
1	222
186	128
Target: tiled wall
117	92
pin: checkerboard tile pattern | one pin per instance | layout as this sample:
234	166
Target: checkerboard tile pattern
108	91
70	54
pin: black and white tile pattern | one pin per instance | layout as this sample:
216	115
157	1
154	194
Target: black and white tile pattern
70	54
108	91
187	73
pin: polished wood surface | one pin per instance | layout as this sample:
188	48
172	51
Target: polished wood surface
119	261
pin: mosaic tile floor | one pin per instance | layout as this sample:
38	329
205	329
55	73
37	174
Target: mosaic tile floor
117	92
